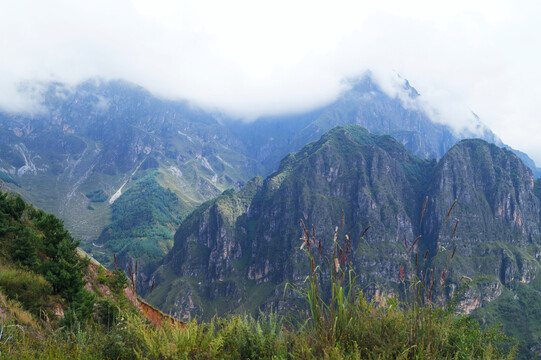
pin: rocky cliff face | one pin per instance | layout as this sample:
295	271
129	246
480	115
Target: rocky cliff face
498	238
495	189
97	143
242	249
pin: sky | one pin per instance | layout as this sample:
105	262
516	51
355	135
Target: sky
254	58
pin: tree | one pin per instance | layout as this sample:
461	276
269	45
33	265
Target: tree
62	267
24	248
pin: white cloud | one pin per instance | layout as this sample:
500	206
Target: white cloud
253	57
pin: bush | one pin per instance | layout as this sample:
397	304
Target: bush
102	276
31	290
107	313
79	310
117	281
62	267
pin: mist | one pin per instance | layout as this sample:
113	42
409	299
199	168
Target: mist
249	58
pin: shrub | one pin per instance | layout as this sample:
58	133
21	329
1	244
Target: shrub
30	289
117	281
101	276
107	313
79	311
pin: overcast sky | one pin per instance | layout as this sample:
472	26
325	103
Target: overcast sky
251	58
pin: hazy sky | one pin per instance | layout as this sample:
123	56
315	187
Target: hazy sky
250	58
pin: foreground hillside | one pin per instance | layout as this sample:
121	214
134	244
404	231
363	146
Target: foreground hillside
54	304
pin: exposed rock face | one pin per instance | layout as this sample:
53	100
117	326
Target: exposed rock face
349	171
241	248
499	225
495	190
92	142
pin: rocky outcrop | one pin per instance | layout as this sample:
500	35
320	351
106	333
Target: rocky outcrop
101	137
495	189
498	211
243	246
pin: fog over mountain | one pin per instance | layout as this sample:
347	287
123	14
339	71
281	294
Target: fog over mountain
249	59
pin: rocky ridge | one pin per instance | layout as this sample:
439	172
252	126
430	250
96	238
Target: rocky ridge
100	143
237	252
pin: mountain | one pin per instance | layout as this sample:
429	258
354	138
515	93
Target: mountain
125	169
56	303
240	245
367	105
237	252
99	143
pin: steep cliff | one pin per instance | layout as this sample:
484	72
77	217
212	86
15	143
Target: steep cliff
498	240
100	151
239	247
236	253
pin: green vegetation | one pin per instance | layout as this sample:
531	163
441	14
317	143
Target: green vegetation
518	313
31	290
379	332
342	324
39	261
97	195
144	221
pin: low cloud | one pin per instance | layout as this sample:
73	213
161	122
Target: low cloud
251	58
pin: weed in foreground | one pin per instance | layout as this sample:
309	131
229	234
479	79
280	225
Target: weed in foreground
342	323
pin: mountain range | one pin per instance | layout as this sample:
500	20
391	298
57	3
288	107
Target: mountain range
237	252
90	144
210	206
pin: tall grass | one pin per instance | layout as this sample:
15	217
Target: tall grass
342	323
29	289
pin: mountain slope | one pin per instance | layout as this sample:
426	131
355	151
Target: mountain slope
367	105
262	233
236	252
91	145
98	135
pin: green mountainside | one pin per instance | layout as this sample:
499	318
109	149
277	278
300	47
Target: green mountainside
104	156
144	219
125	169
40	270
92	143
237	252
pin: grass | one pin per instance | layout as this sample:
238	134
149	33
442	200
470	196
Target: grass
377	332
29	289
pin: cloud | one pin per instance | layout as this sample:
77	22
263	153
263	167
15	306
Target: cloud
250	58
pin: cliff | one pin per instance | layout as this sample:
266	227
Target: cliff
236	253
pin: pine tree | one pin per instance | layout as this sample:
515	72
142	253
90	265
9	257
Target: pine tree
24	248
62	268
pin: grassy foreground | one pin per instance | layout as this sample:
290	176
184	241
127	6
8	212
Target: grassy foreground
382	334
376	332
